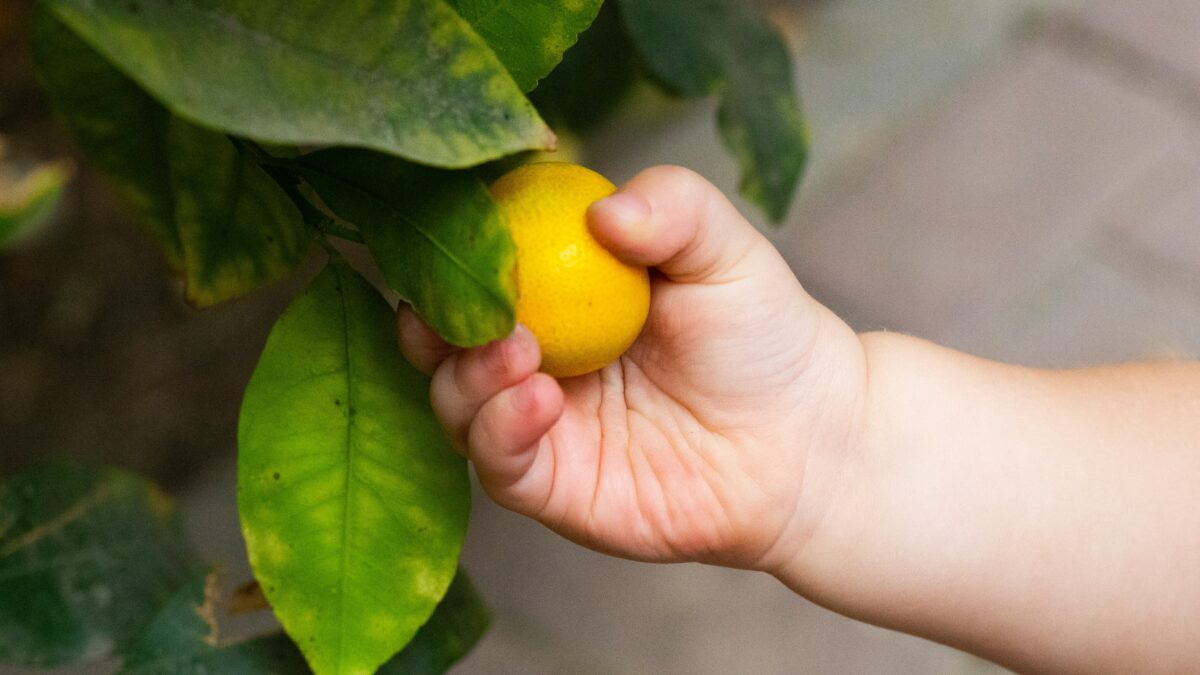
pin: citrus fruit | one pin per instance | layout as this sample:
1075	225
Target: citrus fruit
584	306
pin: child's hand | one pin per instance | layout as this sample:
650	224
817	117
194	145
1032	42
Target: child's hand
695	445
1048	520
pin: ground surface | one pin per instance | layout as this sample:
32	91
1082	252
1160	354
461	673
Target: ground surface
1017	179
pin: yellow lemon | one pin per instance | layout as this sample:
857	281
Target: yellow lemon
583	304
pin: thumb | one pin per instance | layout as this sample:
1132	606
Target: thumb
673	219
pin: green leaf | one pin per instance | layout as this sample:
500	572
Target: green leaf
28	201
408	77
87	558
121	129
352	504
703	47
220	219
592	79
460	621
529	36
238	228
437	236
184	639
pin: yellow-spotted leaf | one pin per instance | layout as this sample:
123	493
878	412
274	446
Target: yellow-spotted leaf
407	77
529	36
352	504
238	228
459	622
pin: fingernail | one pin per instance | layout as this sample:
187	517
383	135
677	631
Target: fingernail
622	209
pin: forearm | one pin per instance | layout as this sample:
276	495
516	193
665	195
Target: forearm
1049	520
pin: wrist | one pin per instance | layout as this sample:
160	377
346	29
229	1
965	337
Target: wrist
915	539
849	495
831	438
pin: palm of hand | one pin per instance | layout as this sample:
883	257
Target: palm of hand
691	446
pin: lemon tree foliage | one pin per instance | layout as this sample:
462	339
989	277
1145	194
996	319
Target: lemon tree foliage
239	230
27	200
122	130
223	224
185	639
437	236
702	47
353	505
408	77
70	541
529	36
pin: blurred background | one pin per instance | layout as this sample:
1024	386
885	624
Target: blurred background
1016	178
